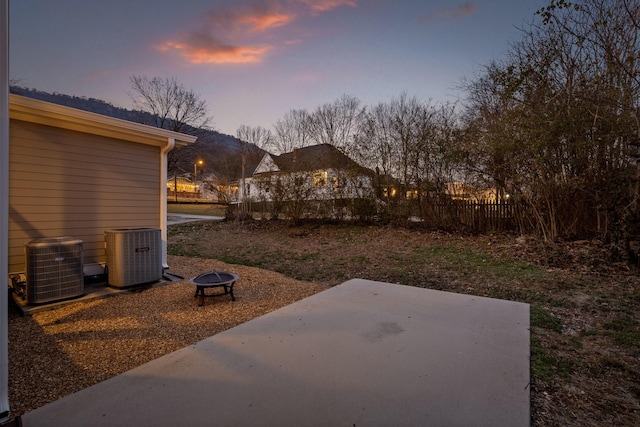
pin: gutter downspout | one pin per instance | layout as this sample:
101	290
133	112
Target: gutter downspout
4	210
171	143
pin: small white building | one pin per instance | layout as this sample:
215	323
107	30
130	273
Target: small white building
319	172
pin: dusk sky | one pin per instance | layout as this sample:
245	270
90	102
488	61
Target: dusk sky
252	61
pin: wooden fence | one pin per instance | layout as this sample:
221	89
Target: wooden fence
476	216
182	195
454	215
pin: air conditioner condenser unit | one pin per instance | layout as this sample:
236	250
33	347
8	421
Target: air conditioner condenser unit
134	256
54	269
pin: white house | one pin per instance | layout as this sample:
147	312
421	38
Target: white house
319	172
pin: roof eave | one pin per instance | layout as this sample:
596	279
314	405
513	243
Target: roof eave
49	114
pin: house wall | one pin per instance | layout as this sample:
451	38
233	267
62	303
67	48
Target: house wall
349	187
69	183
182	185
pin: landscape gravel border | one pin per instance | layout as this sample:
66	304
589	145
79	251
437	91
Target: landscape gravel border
57	352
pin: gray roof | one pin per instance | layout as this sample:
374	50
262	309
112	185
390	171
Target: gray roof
322	156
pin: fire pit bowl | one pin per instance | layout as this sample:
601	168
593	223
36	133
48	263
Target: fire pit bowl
214	279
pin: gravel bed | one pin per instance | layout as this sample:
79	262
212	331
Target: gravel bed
60	351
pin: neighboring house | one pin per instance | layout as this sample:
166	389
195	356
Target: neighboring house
181	184
468	192
214	189
75	173
181	187
319	172
209	188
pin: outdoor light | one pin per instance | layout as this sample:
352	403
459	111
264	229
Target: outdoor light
195	174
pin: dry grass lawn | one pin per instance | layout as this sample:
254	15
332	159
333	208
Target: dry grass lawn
585	309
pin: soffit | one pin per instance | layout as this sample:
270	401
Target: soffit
46	113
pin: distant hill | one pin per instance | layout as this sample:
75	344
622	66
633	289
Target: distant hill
82	103
220	153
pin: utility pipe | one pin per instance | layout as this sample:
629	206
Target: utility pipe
171	143
4	210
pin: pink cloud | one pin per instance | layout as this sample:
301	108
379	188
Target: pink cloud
267	21
257	17
326	5
201	48
460	11
222	55
237	35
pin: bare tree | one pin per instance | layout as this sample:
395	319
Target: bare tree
258	136
610	31
557	120
292	131
255	140
170	105
407	116
336	123
375	142
411	145
167	104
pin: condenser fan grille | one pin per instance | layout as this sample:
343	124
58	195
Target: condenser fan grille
134	256
54	269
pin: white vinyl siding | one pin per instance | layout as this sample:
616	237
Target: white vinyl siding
68	183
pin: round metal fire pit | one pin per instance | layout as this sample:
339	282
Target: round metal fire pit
214	279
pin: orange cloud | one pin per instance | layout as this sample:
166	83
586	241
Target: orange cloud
266	21
235	55
258	17
235	36
200	48
460	11
325	5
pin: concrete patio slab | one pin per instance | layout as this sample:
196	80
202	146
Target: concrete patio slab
362	353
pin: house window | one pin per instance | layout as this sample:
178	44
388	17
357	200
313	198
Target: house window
412	194
320	179
336	183
389	192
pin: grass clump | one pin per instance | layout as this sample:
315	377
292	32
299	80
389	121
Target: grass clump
541	318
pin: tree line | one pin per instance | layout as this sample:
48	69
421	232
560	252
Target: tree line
556	122
553	126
